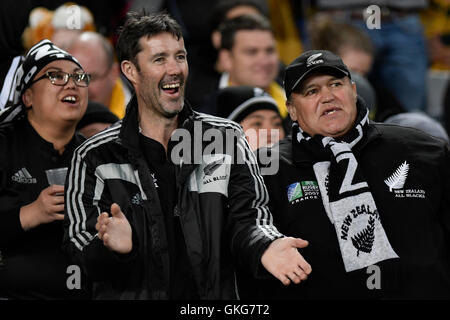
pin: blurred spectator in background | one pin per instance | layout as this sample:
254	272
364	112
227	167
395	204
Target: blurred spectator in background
249	59
227	10
254	109
420	121
400	49
51	98
283	15
351	43
435	19
59	25
97	57
204	77
97	118
250	56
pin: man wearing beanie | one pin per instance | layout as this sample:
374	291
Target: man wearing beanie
371	199
37	135
97	118
255	110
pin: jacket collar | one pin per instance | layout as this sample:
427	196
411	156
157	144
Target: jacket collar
129	132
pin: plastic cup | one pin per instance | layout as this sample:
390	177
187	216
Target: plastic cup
56	176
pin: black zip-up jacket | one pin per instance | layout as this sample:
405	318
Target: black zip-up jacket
222	209
415	217
32	265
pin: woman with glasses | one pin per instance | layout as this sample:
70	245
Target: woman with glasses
37	136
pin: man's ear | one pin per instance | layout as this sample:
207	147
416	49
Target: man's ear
355	94
27	98
216	39
291	109
225	59
129	70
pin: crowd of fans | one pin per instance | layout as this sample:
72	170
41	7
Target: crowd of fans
237	52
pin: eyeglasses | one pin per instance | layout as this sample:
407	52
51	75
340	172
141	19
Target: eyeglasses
60	78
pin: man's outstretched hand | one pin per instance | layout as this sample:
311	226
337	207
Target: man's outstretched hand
284	262
115	231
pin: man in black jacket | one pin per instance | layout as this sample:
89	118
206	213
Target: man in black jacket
149	218
38	135
371	199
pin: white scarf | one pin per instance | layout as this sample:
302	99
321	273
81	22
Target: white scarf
349	203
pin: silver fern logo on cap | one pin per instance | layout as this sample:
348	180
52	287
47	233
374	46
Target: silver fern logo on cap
398	178
313	59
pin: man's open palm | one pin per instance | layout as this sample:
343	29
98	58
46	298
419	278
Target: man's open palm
284	262
115	231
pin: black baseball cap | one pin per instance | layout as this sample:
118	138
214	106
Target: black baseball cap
312	60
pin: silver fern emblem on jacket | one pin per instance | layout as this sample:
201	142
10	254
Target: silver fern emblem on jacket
398	178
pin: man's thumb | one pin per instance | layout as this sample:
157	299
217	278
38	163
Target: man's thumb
116	212
300	243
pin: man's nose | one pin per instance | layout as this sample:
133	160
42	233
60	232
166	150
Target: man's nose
326	94
173	67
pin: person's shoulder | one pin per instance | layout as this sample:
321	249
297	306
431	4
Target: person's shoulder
215	121
403	135
10	129
280	151
99	141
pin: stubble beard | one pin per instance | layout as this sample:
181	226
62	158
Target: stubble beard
153	103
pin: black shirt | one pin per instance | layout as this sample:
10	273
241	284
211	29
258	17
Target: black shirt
162	171
33	265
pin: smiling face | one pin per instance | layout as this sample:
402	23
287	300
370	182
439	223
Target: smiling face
51	104
160	80
253	60
324	104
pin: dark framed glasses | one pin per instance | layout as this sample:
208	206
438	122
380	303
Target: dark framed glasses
60	78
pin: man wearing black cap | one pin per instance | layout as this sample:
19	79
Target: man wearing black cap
371	199
36	135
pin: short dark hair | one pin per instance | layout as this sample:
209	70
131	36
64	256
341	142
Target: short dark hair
224	6
228	28
141	24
